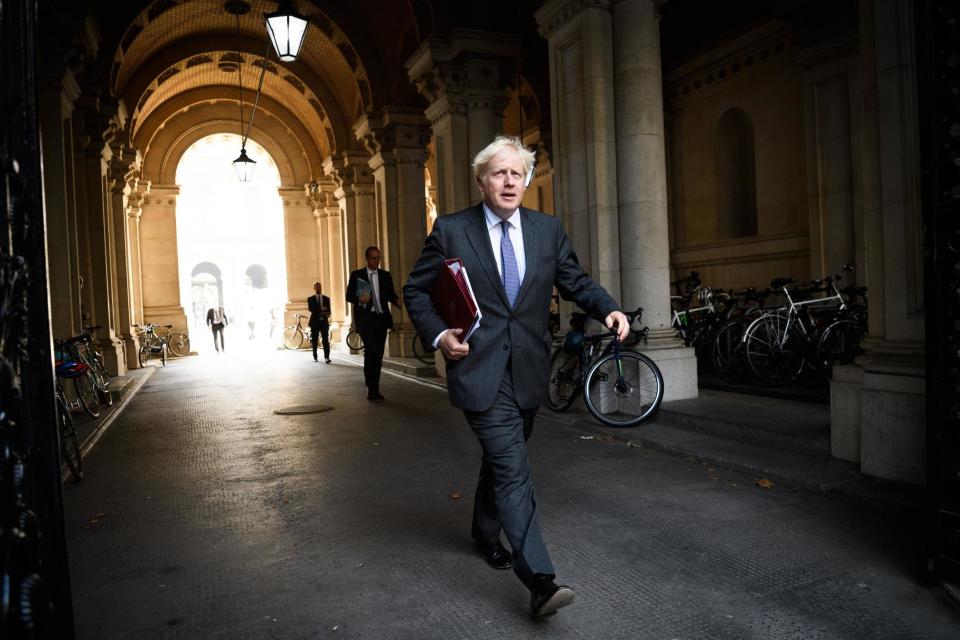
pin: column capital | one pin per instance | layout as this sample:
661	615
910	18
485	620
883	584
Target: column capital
320	193
556	13
395	135
351	173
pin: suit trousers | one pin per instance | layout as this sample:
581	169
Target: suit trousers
505	496
374	344
321	332
217	329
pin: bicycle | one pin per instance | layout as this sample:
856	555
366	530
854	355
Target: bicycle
354	340
295	334
178	343
151	345
84	382
777	344
621	388
82	348
67	439
416	346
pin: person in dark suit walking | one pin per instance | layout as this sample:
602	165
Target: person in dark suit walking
217	320
370	291
514	257
319	322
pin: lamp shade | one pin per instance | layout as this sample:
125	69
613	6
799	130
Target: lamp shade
286	28
244	166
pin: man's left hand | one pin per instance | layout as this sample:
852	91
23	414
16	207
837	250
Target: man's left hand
619	321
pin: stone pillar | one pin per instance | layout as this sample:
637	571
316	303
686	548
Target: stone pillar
159	261
326	212
355	195
579	37
55	101
397	139
642	190
124	168
464	80
881	398
94	218
134	213
302	250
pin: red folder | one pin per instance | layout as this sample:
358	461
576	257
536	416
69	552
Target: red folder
454	300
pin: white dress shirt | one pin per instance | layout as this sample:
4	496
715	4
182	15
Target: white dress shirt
375	285
516	239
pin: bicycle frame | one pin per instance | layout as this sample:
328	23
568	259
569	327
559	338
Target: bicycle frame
793	313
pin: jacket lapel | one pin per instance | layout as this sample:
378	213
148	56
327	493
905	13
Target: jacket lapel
479	238
531	250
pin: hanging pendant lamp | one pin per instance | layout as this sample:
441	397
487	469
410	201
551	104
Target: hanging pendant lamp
287	29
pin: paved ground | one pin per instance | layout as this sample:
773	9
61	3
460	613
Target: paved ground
203	515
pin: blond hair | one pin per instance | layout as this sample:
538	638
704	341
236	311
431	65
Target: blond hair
500	143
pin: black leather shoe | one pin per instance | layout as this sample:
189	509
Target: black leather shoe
374	396
546	599
496	555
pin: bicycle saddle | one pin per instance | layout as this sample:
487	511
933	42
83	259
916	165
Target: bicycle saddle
779	283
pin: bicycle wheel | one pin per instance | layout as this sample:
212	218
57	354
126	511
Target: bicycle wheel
775	349
564	380
292	338
624	391
68	439
838	344
418	352
143	355
727	353
178	344
102	380
87	392
354	341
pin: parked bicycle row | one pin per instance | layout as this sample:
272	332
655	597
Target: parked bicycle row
771	335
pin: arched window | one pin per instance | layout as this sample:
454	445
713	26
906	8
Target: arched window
736	176
256	277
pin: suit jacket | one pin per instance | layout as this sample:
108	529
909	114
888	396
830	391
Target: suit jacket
520	334
365	315
318	311
211	314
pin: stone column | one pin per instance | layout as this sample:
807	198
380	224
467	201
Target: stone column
579	36
134	213
94	217
123	183
302	250
159	261
397	140
642	190
355	194
882	398
55	101
464	80
326	212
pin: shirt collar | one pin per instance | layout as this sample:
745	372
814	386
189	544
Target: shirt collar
493	219
372	272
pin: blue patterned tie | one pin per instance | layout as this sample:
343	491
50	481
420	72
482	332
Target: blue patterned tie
508	259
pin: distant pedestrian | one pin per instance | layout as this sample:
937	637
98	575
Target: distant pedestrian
319	322
217	320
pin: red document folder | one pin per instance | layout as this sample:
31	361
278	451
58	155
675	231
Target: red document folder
454	300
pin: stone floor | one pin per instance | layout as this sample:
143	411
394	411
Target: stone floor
205	515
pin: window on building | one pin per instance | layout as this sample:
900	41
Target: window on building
736	176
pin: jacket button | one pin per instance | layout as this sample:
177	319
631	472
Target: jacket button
505	347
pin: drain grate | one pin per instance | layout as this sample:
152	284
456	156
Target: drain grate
302	409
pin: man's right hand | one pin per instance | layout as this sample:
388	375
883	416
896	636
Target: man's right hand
365	298
450	345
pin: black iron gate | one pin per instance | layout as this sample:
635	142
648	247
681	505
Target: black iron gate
34	582
938	66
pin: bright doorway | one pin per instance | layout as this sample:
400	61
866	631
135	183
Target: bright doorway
230	243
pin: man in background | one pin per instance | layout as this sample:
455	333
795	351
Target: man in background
370	291
319	306
217	320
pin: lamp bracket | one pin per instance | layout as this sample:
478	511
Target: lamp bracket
237	7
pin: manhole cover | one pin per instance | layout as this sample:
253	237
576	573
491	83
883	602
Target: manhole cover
302	410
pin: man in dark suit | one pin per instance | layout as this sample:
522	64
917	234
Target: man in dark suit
217	320
370	291
514	257
319	322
